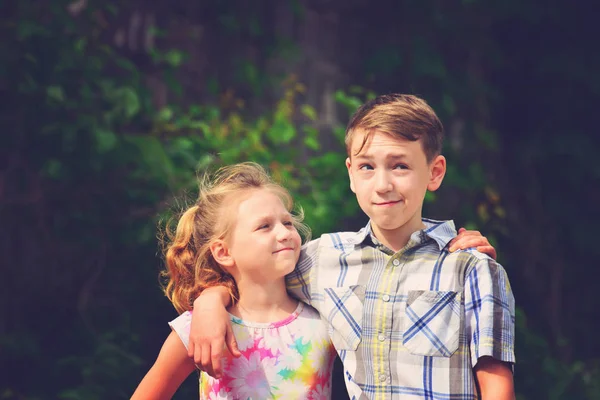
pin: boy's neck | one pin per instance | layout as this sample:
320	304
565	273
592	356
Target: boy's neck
263	302
396	239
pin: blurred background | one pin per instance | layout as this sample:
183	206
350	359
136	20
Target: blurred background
110	108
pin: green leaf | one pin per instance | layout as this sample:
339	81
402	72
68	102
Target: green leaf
105	140
282	130
312	143
27	28
350	102
309	112
53	168
183	143
131	102
488	138
201	125
157	32
205	161
174	57
80	45
153	155
55	93
111	8
448	104
251	75
165	114
230	155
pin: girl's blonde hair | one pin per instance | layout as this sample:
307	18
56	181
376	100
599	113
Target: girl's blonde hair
190	266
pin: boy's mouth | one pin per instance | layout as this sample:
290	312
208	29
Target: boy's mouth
387	203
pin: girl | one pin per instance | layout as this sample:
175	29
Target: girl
241	234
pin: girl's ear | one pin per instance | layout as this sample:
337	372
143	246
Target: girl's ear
221	254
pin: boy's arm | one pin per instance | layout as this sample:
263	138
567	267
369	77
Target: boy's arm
210	330
298	282
169	371
490	326
472	239
494	379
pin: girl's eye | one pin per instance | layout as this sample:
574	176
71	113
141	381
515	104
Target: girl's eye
264	226
288	223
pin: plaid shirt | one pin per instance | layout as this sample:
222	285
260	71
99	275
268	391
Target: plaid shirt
410	324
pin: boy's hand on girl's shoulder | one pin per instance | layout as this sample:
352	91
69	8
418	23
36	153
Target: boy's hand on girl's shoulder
469	239
210	333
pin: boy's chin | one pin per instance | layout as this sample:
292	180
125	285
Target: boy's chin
387	225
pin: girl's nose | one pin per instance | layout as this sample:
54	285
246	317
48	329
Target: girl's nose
283	232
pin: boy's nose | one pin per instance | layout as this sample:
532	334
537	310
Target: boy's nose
382	183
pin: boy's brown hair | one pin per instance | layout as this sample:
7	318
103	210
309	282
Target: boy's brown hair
398	115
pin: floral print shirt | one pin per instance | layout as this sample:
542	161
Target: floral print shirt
288	359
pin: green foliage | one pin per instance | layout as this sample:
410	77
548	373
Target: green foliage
92	164
539	374
116	165
228	136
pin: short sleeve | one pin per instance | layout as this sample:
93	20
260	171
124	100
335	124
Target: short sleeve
489	312
181	326
298	282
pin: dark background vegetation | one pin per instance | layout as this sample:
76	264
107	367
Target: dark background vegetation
109	109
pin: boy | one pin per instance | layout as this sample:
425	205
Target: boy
408	318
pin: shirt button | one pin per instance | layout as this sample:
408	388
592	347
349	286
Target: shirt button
381	338
382	378
385	297
396	262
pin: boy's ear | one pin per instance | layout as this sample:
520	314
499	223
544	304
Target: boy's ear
437	171
221	254
349	167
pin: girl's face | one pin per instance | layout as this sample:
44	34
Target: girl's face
264	243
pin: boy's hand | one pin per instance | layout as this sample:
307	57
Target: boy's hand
468	239
211	331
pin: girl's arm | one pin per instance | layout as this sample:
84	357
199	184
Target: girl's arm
467	239
494	379
169	371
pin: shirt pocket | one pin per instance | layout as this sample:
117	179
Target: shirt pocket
344	310
432	322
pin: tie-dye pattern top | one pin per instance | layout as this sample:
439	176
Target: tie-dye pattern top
289	359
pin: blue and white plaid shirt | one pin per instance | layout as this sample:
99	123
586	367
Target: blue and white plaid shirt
410	324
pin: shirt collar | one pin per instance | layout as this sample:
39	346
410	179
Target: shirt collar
441	232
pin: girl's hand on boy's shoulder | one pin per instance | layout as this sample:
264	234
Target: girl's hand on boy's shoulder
472	239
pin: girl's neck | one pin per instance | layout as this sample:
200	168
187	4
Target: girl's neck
263	302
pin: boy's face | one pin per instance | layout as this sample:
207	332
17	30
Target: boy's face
390	177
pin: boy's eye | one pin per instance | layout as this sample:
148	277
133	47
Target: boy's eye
365	167
401	166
